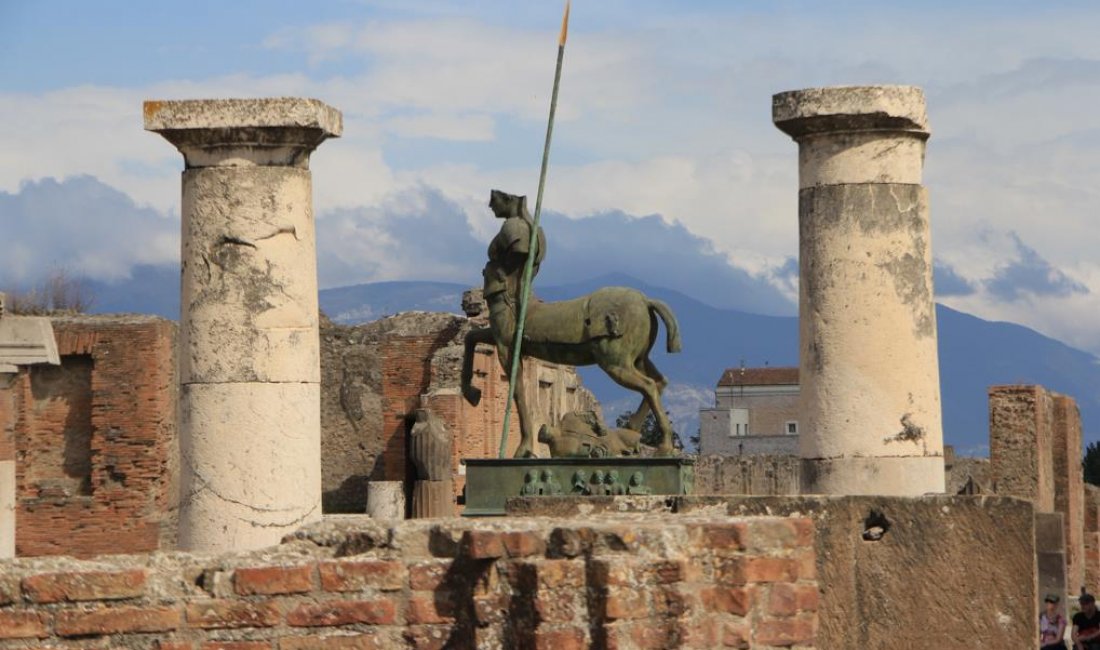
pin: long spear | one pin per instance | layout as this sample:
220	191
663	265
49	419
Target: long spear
528	267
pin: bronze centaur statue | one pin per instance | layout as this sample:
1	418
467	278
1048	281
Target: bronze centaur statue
613	328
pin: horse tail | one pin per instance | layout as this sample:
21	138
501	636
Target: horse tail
673	328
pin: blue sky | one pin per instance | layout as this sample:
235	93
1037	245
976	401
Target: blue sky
664	111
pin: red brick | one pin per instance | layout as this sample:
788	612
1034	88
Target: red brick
782	600
560	574
236	645
783	632
729	600
343	612
345	575
807	564
524	544
428	575
227	614
431	608
806	597
84	585
625	603
23	625
483	544
770	569
653	634
557	607
273	580
722	537
116	620
736	635
568	638
320	642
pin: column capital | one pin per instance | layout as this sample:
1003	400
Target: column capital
849	109
244	132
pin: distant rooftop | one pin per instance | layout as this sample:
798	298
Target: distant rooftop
759	377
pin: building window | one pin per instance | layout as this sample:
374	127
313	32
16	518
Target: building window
792	428
739	422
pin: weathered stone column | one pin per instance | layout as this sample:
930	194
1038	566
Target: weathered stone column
249	349
870	390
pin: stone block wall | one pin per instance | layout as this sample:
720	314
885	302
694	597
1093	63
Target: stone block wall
1069	486
641	582
1035	454
95	440
757	475
1020	443
1091	536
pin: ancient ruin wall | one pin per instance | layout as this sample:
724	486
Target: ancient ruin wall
758	475
375	375
95	440
627	582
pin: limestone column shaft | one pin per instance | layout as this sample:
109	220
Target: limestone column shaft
249	354
870	392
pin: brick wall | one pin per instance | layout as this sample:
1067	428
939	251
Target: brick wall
95	440
652	582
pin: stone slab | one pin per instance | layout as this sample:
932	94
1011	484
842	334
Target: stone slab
850	108
189	114
491	481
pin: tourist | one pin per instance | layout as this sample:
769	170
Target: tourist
1086	625
1052	626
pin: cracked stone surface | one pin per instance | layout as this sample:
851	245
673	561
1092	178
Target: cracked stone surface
869	366
249	346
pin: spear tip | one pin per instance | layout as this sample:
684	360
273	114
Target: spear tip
564	26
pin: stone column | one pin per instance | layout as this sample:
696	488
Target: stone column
249	348
870	390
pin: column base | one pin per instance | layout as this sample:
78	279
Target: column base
874	475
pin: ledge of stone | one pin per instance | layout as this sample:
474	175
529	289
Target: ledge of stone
850	108
280	112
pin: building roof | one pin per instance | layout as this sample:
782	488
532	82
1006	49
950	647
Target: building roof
759	377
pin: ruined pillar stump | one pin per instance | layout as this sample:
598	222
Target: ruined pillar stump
249	346
869	372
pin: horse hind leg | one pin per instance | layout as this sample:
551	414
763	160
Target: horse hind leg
631	378
643	365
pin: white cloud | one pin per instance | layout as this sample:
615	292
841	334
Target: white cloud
665	112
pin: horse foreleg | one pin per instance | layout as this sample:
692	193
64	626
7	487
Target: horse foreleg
526	447
473	337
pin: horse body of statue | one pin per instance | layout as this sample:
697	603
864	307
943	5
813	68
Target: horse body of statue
613	328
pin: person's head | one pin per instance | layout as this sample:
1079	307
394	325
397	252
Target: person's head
506	205
1088	604
1051	603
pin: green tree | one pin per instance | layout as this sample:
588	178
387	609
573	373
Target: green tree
651	434
1091	463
